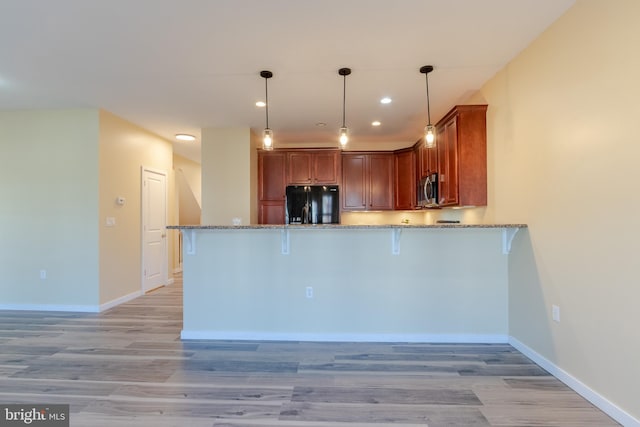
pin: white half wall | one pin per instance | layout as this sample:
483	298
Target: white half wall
346	284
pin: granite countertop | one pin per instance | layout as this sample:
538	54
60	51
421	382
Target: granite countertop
338	226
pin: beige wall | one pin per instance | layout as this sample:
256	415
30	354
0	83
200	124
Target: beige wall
192	172
564	151
49	209
228	176
60	174
124	149
188	175
188	201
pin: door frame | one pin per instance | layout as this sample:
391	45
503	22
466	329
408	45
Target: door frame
165	251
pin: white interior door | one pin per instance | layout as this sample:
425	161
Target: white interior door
154	233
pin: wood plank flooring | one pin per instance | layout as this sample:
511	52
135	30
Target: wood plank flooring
128	366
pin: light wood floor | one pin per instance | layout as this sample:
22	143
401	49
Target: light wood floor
128	367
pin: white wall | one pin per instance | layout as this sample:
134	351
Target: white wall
564	149
49	209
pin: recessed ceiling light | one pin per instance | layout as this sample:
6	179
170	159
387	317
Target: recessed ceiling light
385	100
375	123
185	137
261	104
321	124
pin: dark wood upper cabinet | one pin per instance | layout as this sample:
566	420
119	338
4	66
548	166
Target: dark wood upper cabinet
313	167
385	180
381	181
367	181
354	176
461	145
326	167
405	179
426	159
299	163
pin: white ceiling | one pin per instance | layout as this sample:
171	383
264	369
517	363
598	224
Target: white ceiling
182	65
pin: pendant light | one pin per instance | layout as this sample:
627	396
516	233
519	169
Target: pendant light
344	131
429	130
267	134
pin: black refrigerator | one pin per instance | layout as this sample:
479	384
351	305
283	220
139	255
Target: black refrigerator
312	204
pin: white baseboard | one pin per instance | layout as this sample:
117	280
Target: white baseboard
416	338
51	307
118	301
579	387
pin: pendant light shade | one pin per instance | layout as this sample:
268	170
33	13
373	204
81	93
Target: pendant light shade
267	134
344	136
344	131
430	136
429	130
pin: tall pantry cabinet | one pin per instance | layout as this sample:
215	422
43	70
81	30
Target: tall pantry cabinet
272	182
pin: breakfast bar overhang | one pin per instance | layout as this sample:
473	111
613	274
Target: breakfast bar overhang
394	283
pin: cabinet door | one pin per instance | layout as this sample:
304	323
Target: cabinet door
430	160
380	191
271	176
300	167
271	212
353	190
417	152
447	146
462	156
326	166
405	180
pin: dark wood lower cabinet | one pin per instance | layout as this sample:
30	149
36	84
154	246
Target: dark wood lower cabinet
270	212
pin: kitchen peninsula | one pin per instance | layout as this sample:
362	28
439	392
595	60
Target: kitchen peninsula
426	283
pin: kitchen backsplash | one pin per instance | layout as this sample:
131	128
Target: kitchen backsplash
425	216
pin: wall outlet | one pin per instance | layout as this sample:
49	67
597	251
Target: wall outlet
111	221
309	292
43	274
555	313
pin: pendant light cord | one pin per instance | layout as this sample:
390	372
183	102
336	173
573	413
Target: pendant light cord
426	75
344	98
266	100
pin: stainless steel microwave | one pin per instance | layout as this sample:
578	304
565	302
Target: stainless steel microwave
428	191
